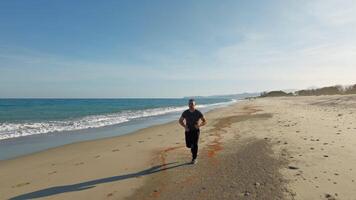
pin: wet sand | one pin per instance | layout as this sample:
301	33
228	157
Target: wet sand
269	148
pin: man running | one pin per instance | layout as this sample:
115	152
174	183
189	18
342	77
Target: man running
192	118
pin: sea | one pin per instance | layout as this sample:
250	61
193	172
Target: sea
32	125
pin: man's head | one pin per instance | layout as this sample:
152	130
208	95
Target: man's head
191	104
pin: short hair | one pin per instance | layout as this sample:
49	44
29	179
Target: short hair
191	100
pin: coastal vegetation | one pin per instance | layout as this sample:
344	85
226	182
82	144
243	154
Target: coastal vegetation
330	90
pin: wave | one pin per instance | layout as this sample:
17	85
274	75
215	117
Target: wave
13	130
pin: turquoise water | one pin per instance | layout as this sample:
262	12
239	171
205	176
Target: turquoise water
25	117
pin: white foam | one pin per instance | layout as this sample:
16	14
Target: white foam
13	130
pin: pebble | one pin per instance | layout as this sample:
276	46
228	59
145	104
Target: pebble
247	193
257	184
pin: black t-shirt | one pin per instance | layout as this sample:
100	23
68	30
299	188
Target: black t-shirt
192	118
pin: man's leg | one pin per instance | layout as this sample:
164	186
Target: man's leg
188	140
194	151
194	148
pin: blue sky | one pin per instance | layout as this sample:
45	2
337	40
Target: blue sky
65	48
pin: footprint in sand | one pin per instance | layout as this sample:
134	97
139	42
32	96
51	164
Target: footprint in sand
140	141
21	184
52	172
293	167
115	150
97	156
329	197
325	156
80	163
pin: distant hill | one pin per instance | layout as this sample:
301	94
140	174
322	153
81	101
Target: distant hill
330	90
275	94
311	91
229	96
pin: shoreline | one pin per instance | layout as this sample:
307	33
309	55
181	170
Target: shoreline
26	145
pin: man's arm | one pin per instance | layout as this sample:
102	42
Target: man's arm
203	122
181	122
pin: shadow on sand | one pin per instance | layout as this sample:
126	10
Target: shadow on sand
90	184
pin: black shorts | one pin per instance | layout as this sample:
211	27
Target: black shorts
191	138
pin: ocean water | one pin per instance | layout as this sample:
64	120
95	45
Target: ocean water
32	125
24	117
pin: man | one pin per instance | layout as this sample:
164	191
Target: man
192	119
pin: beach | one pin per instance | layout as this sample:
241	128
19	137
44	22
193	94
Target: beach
264	148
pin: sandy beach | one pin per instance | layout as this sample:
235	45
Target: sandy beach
267	148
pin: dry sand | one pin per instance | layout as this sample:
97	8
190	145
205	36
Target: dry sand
270	148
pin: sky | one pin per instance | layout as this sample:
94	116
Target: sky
160	48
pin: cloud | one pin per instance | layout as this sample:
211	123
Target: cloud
333	12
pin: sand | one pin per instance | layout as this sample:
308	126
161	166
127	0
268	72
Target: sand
269	148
